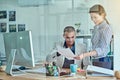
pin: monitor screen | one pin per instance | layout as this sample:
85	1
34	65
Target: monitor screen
22	43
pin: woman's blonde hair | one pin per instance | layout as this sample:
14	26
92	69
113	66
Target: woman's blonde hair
99	9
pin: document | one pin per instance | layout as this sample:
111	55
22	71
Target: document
67	53
98	71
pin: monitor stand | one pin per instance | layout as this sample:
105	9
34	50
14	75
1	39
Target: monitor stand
10	65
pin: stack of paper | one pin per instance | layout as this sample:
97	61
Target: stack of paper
98	71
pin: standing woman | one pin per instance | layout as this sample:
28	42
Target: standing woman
102	34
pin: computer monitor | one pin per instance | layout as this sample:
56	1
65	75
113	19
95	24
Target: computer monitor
19	47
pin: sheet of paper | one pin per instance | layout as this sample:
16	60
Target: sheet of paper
67	53
99	71
38	70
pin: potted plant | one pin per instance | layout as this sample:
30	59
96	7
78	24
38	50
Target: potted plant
78	27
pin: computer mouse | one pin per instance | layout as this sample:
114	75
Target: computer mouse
22	68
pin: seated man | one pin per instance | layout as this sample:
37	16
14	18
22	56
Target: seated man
76	47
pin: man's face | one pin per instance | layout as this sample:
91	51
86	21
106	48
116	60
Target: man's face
69	38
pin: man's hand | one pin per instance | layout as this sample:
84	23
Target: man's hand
58	54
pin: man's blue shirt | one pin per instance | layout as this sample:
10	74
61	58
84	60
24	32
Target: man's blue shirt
66	61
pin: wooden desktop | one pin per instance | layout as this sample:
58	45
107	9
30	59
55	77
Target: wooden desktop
36	76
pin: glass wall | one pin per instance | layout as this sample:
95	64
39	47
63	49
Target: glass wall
47	21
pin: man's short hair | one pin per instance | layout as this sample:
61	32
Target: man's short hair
69	29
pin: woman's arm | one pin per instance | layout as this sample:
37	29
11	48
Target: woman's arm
87	54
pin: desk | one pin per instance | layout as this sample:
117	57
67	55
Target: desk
31	76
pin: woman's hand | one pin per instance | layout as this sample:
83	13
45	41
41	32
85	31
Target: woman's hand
79	57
